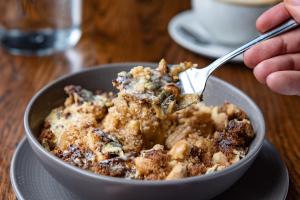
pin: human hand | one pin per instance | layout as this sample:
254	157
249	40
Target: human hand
276	62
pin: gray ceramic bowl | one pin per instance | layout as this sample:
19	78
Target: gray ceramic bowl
92	186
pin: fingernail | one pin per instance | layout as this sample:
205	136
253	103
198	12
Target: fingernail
294	2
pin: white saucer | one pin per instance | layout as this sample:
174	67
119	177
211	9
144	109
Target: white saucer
201	45
267	178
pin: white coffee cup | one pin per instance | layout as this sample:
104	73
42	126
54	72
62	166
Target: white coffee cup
230	22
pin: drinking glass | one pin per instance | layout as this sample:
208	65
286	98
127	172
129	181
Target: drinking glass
39	27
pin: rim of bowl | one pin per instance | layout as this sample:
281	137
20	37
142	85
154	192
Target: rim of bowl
33	140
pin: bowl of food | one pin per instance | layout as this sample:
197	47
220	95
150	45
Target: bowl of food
126	131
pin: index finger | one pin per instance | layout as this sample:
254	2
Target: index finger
272	18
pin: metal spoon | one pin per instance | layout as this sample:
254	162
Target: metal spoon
194	80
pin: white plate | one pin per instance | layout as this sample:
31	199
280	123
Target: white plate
203	45
267	178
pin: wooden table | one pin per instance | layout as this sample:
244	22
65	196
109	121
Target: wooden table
132	30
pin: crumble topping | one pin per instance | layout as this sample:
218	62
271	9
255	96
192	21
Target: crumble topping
148	130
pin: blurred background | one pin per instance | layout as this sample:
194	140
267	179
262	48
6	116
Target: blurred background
124	30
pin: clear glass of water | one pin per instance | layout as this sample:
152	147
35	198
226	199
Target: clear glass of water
39	27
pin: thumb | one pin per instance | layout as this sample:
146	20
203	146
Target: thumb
293	6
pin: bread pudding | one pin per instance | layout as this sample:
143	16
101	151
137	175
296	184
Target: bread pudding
148	130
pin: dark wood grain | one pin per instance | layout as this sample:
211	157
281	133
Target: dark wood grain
132	30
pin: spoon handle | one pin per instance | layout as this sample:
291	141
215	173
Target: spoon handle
275	32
